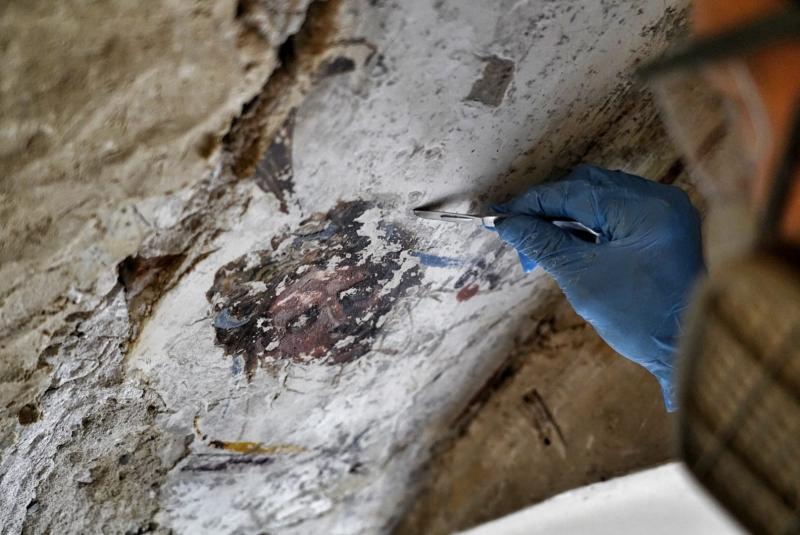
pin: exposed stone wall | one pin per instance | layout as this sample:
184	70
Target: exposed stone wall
106	107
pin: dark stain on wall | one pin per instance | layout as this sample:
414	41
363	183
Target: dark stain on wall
274	171
337	65
478	275
318	294
145	279
490	88
542	420
252	132
29	414
223	463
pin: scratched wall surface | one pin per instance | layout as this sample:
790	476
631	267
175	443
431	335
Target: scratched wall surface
287	349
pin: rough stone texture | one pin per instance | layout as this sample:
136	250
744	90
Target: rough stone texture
103	454
162	402
105	107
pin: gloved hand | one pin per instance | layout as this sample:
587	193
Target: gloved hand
634	285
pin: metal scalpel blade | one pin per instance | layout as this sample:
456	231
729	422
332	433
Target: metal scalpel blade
578	229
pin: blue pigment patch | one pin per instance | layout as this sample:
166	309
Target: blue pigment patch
236	365
436	261
224	320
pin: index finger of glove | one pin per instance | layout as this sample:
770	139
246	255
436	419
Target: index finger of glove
538	240
573	197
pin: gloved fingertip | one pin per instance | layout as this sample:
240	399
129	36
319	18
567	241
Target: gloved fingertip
669	403
667	391
528	264
499	208
512	228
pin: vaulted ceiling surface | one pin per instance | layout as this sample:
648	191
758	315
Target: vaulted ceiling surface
286	349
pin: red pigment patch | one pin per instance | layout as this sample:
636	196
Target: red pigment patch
467	292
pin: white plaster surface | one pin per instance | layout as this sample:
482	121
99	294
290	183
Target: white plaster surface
401	136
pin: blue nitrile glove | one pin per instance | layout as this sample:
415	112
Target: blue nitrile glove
634	285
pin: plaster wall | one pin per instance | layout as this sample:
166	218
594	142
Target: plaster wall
106	108
285	344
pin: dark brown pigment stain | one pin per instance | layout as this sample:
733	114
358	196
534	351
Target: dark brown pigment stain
145	280
274	171
301	54
467	292
29	414
317	295
490	88
336	66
